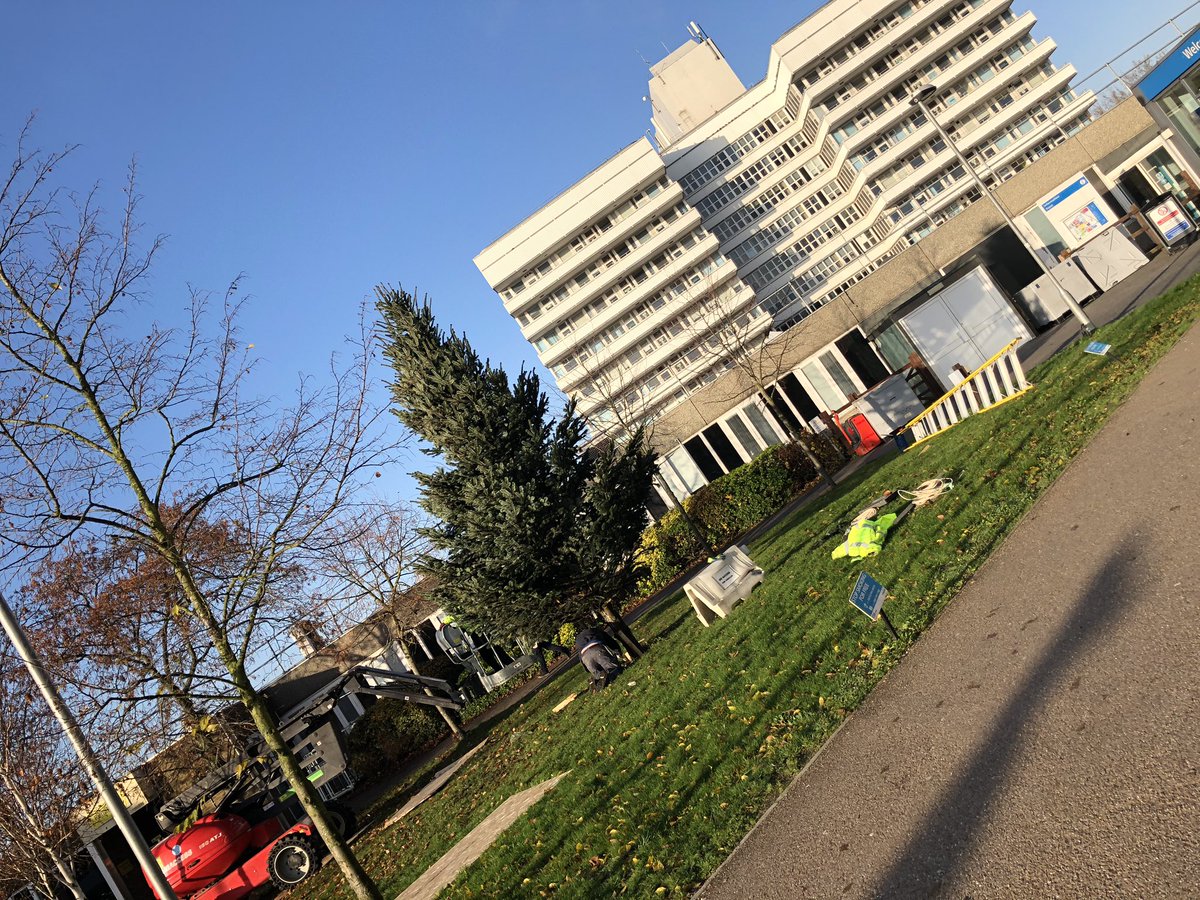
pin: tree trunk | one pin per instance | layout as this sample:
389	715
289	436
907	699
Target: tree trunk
165	544
66	874
691	523
800	439
352	871
448	715
64	866
623	632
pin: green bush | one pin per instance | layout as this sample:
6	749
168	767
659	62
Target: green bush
566	635
667	548
730	506
391	732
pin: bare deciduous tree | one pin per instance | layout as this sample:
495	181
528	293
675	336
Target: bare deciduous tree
743	344
108	420
624	408
42	789
109	619
375	562
1120	91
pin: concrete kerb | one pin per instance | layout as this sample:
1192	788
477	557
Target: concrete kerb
699	895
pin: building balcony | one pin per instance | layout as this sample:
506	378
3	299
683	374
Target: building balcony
572	265
609	355
673	233
695	359
624	305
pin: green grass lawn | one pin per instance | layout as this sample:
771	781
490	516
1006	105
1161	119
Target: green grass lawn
674	763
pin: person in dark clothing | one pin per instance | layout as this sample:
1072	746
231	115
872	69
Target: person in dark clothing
598	653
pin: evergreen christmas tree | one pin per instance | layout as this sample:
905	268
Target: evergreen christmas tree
534	530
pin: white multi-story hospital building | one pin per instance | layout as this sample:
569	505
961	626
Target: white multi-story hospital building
763	212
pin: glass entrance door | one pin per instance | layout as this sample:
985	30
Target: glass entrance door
1181	103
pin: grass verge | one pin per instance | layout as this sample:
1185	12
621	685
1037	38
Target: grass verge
673	764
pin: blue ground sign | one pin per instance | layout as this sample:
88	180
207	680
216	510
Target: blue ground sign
868	596
1096	348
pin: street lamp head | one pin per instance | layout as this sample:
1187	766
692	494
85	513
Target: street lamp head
922	94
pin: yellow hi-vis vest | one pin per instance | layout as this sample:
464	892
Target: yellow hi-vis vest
865	538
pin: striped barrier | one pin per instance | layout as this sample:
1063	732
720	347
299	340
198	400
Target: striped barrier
997	381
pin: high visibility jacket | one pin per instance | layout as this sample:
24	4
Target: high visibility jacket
865	538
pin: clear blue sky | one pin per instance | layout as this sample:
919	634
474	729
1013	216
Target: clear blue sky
323	148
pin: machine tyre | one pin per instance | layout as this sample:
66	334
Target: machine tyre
343	818
293	859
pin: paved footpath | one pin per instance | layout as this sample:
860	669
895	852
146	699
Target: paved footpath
1041	739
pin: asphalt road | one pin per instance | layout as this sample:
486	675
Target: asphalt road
1040	739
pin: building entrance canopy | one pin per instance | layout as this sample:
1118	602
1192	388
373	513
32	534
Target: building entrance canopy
1174	87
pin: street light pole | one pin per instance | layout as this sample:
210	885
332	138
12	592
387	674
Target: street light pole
108	793
921	99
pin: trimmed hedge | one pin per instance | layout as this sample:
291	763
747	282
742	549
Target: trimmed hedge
729	507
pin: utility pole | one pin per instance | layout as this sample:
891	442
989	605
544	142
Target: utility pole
108	793
921	99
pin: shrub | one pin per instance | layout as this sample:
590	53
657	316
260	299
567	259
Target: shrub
391	732
566	635
730	506
667	548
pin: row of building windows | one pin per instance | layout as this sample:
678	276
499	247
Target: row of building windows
973	81
625	286
1036	152
789	258
849	87
1025	126
816	303
806	282
667	375
900	94
1019	130
962	88
586	236
615	379
677	288
643	405
943	215
726	158
1009	95
893	175
968	46
604	262
761	205
889	139
926	192
853	48
930	190
931	70
786	224
752	175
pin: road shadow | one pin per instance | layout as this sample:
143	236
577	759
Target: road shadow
936	853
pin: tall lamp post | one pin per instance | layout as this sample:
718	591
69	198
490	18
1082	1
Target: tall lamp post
108	793
921	99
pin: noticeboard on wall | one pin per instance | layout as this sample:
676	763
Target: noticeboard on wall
1078	211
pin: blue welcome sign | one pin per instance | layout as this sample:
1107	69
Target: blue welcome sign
1185	55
